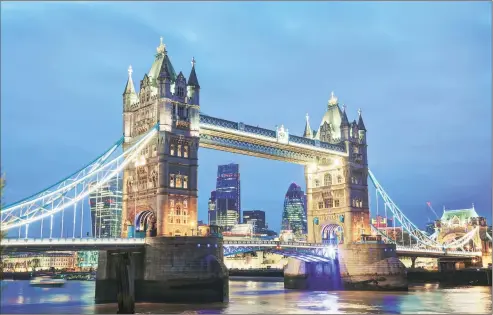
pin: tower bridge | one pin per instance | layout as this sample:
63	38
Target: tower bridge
163	129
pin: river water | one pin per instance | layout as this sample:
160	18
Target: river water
255	297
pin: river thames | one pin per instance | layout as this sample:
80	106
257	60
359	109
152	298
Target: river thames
255	297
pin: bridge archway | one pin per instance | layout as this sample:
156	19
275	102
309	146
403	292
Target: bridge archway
332	233
145	223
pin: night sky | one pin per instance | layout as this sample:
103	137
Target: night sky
420	72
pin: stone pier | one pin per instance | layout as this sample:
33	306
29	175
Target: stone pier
371	266
302	275
169	269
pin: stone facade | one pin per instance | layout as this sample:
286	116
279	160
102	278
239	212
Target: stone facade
160	188
337	187
170	269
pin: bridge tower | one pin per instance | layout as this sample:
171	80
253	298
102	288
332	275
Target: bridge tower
337	187
160	188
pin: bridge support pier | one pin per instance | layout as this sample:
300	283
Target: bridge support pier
125	284
167	269
300	275
413	262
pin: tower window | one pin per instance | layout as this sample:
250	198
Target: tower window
320	205
328	203
339	179
185	182
178	181
178	150
185	151
180	91
172	149
172	180
317	183
336	203
181	111
327	179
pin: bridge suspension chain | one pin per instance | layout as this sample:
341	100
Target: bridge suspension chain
73	189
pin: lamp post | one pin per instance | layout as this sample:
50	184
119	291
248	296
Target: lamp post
192	224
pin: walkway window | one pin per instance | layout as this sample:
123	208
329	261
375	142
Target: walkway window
327	180
172	181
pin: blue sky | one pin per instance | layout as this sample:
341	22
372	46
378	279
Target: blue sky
420	71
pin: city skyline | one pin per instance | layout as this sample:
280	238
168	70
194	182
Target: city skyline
422	79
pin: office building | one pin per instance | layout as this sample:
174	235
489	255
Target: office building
256	218
225	200
294	213
106	209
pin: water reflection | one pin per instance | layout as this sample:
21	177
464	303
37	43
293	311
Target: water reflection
255	297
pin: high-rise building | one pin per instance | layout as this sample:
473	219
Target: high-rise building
256	218
227	195
212	209
294	213
106	209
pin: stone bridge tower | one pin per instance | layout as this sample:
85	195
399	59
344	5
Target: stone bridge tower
160	188
337	187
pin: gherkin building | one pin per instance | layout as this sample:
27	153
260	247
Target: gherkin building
294	213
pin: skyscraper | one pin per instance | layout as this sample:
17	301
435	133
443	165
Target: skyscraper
294	214
106	209
256	218
227	195
212	209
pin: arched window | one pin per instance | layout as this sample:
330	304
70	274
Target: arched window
178	210
339	179
185	182
185	203
172	149
185	151
327	179
172	180
178	181
178	150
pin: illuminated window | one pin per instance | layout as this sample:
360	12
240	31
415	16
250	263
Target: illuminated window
185	182
336	203
172	149
185	151
320	205
178	221
178	210
178	181
339	179
172	180
178	150
327	179
185	203
172	203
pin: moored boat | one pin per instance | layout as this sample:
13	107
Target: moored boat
48	282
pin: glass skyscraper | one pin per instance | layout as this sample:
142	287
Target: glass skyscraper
225	204
106	209
294	213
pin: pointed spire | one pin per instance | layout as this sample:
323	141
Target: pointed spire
361	125
129	88
344	120
308	130
192	79
164	72
161	49
333	99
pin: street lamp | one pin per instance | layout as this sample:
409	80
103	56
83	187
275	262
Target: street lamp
192	224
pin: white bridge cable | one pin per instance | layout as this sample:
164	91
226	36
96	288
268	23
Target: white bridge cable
413	230
406	224
103	171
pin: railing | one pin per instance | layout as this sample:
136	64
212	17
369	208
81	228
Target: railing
273	243
72	241
437	251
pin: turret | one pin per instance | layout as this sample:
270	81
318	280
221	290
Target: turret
344	125
361	128
308	130
193	87
164	78
129	95
180	87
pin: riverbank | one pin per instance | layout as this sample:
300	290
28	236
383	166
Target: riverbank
473	276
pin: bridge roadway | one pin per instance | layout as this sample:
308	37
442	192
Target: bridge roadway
10	245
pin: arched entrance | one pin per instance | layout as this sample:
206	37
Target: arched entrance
333	234
145	224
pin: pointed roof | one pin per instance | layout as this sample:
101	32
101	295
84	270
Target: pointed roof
344	120
361	125
462	214
181	77
161	61
129	88
308	131
192	79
